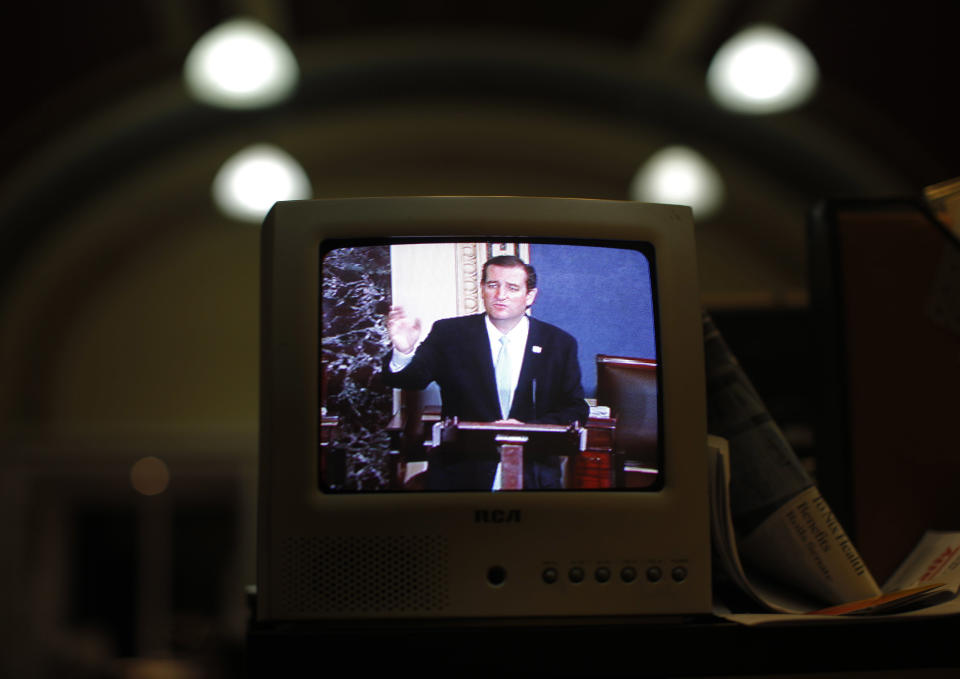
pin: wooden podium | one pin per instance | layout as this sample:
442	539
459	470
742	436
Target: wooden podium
513	441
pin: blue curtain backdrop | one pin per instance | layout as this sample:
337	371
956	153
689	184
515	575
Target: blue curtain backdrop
599	295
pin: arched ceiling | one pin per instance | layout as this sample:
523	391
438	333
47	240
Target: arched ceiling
98	95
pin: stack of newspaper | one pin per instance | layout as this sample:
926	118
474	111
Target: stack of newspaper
775	538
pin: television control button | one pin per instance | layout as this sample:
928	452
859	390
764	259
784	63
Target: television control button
496	575
628	574
679	573
602	574
550	575
576	574
654	574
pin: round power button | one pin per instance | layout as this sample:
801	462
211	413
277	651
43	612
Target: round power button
496	575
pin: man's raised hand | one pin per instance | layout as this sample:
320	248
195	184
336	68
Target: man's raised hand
404	332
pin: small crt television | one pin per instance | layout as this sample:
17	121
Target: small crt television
393	484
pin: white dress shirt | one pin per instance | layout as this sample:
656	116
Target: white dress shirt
515	347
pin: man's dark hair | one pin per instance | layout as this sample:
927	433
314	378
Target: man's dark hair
511	261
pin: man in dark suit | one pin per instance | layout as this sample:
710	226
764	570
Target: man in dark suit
497	366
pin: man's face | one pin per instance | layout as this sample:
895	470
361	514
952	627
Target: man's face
505	294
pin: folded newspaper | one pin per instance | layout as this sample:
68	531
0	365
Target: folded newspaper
799	562
775	538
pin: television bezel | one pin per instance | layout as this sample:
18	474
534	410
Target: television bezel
663	535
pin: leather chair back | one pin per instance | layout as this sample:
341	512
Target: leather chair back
629	387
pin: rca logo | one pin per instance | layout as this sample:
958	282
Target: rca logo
496	516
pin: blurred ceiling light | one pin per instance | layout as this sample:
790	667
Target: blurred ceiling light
762	69
252	180
678	175
241	64
150	476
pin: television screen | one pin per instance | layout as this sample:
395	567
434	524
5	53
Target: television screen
424	318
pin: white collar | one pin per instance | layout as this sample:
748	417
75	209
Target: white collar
518	332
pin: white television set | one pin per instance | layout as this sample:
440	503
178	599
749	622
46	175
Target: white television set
347	528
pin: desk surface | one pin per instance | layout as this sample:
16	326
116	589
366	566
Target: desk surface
606	647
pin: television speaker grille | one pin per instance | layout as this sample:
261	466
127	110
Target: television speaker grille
363	575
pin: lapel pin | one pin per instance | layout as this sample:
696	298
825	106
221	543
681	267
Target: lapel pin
536	349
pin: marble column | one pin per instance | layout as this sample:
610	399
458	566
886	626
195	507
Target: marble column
356	297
